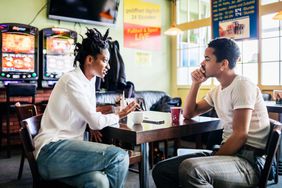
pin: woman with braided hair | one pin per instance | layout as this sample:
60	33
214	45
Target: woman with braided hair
60	150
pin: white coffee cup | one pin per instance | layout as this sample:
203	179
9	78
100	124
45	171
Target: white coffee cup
137	117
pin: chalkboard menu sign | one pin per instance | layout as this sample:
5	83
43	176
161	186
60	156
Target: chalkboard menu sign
237	19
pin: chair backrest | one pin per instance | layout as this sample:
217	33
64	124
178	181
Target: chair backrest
29	129
25	111
271	149
21	90
266	96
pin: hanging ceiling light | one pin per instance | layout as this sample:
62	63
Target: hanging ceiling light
173	30
278	16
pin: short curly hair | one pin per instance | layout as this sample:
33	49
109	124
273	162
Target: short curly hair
93	44
225	48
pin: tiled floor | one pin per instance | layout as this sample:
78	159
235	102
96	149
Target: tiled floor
9	171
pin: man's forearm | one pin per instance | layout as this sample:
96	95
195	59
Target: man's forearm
232	145
190	102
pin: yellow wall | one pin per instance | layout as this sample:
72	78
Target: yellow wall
182	92
151	76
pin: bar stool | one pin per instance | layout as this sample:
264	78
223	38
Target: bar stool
15	90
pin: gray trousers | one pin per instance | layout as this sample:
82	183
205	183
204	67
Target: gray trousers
203	170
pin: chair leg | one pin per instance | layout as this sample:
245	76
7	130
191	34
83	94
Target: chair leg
151	155
8	134
276	178
199	143
176	145
21	165
1	125
165	149
139	169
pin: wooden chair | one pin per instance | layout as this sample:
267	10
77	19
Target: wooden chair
23	112
15	90
271	152
29	129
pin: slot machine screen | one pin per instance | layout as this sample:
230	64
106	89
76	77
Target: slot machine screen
18	52
59	55
59	45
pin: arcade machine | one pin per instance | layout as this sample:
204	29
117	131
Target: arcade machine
18	54
56	54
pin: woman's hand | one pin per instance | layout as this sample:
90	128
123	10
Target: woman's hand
96	136
129	108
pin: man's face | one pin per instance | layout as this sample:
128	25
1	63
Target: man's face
100	65
209	64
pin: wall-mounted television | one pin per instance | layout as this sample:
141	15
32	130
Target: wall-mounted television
101	12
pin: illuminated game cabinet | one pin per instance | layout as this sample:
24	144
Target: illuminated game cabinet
18	53
56	54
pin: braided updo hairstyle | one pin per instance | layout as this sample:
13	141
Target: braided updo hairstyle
92	45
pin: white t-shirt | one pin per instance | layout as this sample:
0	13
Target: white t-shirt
241	93
72	105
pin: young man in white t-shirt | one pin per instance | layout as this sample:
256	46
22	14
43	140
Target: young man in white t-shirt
243	114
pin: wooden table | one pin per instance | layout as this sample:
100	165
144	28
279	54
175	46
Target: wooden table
273	107
148	132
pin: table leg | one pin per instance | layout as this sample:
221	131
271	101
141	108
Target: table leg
144	166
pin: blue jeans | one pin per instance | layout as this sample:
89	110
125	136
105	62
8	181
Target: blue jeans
78	162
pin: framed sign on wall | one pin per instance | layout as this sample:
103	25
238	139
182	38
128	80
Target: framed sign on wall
142	25
237	19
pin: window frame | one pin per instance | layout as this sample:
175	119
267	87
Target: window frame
263	10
